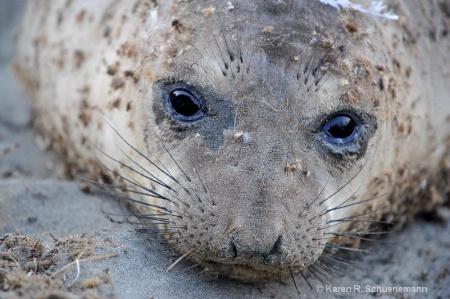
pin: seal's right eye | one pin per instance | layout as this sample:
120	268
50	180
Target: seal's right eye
184	103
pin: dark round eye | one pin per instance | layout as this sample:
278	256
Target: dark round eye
341	128
184	103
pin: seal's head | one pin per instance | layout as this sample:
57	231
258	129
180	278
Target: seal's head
261	116
258	135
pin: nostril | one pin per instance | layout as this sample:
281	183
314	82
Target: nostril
239	247
277	246
233	248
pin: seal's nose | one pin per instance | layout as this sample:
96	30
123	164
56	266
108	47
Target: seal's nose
257	245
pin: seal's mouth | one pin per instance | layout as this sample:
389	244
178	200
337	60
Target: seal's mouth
250	267
248	270
255	261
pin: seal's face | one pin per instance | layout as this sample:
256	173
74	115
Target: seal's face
256	111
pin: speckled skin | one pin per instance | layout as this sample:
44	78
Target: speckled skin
251	191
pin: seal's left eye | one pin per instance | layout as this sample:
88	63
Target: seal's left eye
340	129
344	133
184	102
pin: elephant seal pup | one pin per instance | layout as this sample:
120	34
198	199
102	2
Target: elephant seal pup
257	136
